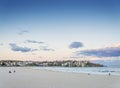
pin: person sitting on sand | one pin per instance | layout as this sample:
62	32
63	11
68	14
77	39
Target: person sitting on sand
9	71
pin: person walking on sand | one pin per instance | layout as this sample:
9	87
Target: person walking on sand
14	71
88	73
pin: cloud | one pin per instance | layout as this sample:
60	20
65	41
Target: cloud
34	50
23	32
45	48
33	41
103	52
1	44
75	45
14	47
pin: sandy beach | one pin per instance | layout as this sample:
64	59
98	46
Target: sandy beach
33	78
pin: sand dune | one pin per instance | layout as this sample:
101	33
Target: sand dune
33	78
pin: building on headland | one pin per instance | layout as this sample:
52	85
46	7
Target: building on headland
67	63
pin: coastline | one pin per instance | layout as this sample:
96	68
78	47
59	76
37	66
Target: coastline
33	78
84	70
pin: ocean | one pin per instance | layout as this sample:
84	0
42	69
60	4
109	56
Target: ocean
90	70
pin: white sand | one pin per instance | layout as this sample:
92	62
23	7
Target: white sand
32	78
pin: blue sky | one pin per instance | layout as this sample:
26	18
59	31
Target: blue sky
59	24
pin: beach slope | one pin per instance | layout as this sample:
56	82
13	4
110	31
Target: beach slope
25	77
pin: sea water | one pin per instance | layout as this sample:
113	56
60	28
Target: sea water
90	70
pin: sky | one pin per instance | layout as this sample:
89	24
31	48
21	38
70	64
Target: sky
42	30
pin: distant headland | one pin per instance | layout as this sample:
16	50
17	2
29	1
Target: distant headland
64	63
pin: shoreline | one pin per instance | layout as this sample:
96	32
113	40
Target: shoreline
67	69
93	73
